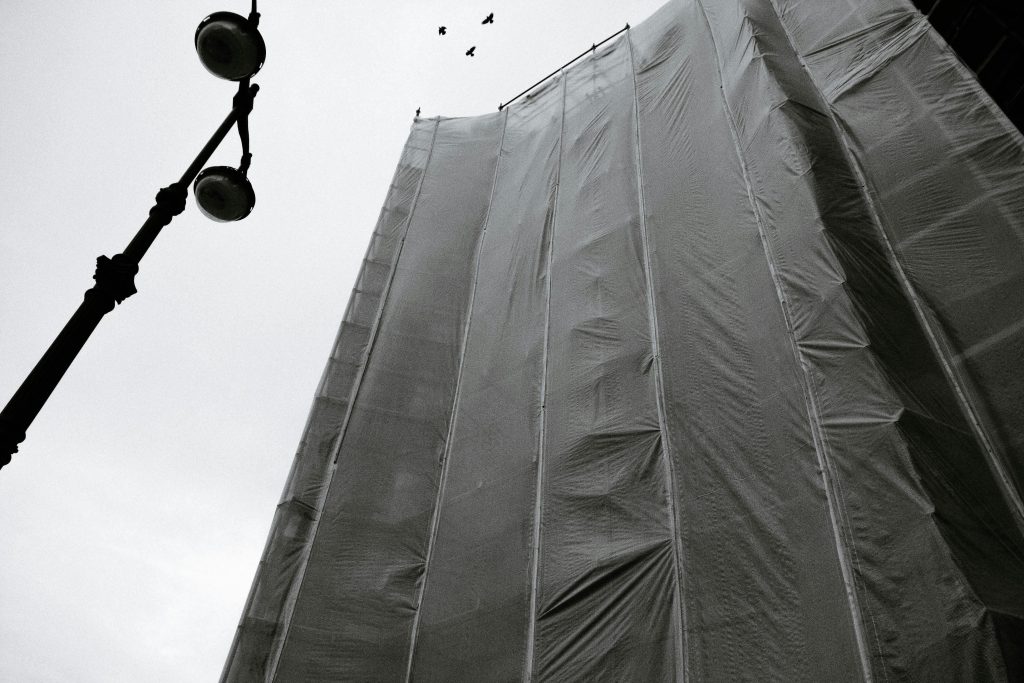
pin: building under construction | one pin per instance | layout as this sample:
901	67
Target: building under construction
703	361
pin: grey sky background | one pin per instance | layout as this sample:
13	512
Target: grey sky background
133	518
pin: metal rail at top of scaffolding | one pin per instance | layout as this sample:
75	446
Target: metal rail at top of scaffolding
559	69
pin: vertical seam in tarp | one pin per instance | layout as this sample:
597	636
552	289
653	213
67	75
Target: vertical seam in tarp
938	348
538	507
446	454
671	487
817	433
351	405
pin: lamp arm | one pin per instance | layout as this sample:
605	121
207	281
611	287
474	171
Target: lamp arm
243	104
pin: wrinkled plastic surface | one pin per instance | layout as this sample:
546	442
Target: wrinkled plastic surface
702	362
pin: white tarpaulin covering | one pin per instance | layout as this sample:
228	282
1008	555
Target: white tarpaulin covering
702	362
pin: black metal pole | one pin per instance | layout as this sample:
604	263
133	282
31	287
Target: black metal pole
115	282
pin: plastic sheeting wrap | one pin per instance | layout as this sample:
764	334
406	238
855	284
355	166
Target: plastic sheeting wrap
703	362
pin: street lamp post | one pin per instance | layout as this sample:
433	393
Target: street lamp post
230	47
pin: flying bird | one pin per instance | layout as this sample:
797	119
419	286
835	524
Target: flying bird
489	19
442	30
470	51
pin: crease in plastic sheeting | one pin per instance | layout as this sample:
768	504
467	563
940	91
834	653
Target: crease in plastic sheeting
905	38
835	507
941	349
682	628
531	631
856	35
297	586
597	578
620	585
445	456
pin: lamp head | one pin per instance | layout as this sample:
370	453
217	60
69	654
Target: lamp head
224	194
230	46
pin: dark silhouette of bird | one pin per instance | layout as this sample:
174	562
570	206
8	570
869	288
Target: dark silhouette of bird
470	51
489	19
417	112
442	30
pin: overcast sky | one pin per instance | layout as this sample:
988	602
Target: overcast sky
133	518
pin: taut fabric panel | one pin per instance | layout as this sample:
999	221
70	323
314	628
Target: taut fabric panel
271	598
942	172
608	582
703	361
856	338
764	584
475	622
356	603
